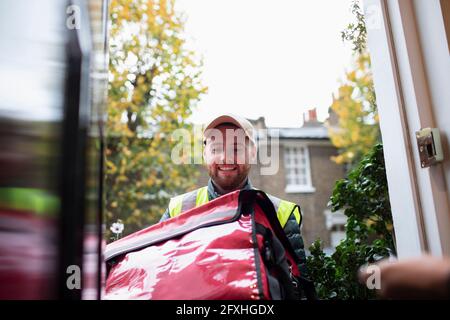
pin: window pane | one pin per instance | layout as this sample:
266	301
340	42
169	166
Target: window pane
295	165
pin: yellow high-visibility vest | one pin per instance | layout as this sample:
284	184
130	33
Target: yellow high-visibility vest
199	197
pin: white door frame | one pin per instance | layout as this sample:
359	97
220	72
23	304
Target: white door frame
406	62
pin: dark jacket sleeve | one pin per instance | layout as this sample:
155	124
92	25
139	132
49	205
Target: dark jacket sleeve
165	215
292	230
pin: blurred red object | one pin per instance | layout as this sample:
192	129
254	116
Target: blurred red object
27	255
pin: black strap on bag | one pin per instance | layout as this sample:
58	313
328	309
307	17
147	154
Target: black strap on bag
279	271
247	198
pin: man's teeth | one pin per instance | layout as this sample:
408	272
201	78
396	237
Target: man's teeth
226	169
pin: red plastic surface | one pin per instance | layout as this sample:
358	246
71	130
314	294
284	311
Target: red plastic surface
212	262
203	264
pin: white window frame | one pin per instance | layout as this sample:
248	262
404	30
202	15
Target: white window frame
332	220
308	187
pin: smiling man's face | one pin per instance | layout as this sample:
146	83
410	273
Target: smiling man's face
227	154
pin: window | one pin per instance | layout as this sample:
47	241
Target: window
298	173
335	223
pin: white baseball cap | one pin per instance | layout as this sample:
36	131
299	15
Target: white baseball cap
238	121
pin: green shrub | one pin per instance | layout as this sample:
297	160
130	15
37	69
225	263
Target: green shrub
363	197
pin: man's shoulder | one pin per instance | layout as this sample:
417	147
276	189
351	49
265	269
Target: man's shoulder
290	211
277	200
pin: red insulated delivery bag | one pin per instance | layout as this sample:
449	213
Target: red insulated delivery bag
230	248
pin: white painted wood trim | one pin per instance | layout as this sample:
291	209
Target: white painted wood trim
406	209
434	111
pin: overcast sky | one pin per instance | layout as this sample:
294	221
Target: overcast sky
271	58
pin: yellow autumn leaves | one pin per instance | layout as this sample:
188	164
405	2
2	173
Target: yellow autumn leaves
356	129
155	82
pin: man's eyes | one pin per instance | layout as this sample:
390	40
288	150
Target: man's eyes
216	150
236	149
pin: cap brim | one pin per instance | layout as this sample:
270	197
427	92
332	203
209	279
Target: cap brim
235	120
223	119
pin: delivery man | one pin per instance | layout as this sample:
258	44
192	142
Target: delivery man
229	148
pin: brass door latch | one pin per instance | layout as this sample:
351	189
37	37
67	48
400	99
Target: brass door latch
430	148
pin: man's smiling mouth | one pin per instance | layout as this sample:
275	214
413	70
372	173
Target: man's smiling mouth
227	168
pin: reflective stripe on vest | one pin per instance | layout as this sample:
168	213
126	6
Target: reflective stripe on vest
188	201
175	206
284	209
199	197
202	197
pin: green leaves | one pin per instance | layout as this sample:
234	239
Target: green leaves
356	33
364	199
362	196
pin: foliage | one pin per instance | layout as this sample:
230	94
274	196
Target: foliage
356	130
154	83
362	196
364	199
356	32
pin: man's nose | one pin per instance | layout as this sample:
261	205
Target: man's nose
221	157
228	156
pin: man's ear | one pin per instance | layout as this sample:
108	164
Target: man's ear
204	154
